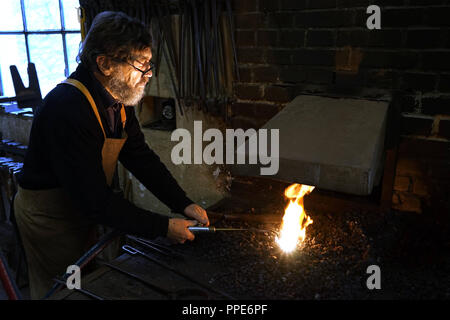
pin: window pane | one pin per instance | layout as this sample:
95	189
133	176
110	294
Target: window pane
15	55
11	16
71	14
42	15
46	52
72	42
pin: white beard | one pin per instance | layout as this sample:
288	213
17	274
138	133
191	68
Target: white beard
129	96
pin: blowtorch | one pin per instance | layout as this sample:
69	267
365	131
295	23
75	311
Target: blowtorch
212	229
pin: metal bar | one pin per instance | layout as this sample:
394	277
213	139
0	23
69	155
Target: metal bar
140	279
233	43
181	50
270	218
213	229
198	55
83	291
214	46
24	21
37	32
134	251
63	35
169	64
8	283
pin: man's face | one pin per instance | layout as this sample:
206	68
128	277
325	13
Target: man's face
126	82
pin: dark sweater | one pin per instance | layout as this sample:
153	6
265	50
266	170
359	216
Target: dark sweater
65	151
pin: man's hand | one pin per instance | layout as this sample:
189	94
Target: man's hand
198	213
178	230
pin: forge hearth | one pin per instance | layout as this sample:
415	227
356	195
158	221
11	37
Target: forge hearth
347	236
330	264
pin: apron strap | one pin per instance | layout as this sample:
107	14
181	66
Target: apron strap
88	95
123	116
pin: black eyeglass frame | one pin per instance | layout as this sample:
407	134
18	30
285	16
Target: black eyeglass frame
144	72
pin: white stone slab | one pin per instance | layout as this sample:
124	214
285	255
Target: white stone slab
331	143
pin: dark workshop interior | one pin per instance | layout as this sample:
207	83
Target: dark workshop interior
362	108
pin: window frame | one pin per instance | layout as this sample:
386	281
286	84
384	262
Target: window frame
26	33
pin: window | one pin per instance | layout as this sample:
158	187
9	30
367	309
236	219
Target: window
44	32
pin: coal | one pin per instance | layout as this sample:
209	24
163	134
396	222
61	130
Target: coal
332	261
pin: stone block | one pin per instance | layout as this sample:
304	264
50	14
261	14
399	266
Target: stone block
331	143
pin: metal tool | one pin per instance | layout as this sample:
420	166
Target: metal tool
26	97
173	295
134	251
213	229
156	247
83	291
7	280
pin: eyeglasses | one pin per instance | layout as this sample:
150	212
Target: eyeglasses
144	72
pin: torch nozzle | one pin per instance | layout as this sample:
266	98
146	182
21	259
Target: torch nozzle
212	229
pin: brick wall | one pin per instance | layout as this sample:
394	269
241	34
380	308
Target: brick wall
289	47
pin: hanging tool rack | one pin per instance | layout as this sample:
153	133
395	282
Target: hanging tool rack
195	38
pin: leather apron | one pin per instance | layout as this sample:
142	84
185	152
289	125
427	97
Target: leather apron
55	234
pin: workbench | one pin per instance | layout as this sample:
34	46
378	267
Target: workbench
110	284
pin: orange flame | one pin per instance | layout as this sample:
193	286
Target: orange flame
295	220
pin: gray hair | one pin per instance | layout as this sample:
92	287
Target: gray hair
113	34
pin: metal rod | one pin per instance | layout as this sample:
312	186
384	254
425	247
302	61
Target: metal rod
166	252
8	283
140	279
83	291
213	229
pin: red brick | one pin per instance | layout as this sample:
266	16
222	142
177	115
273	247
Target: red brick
279	56
244	6
245	38
402	183
444	128
253	110
293	74
410	168
267	38
416	126
245	74
292	39
279	93
265	74
250	55
248	21
248	92
279	20
420	188
409	203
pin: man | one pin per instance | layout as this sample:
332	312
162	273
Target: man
84	126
